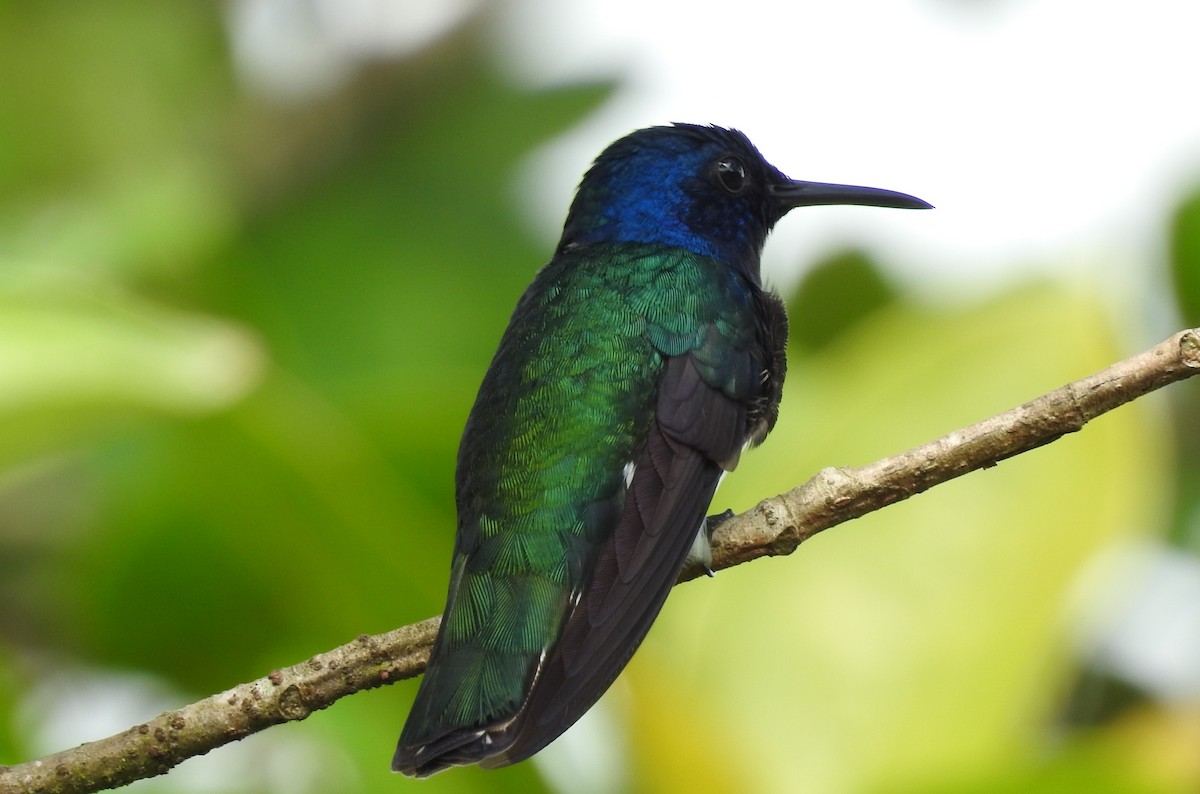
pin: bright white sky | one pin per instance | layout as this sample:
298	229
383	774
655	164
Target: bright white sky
1048	133
1052	135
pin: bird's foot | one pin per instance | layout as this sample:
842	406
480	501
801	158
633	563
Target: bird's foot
714	521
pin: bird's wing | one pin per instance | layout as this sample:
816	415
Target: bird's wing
695	428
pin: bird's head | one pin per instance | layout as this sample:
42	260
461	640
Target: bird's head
705	189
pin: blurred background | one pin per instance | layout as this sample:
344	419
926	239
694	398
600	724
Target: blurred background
255	257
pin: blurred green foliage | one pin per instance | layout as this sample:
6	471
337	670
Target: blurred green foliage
1185	258
238	341
1185	402
834	295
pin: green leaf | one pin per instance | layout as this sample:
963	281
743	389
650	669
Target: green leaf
72	346
834	296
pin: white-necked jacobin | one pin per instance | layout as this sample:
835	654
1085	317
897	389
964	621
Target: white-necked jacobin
641	361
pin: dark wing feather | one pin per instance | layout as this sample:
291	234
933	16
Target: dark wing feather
695	426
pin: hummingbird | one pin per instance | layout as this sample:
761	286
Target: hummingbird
641	361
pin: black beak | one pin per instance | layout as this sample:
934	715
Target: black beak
795	193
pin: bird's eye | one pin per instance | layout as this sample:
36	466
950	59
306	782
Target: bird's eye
731	173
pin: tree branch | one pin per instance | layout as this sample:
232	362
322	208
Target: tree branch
774	527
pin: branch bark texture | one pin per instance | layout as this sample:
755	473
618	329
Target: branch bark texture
776	526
